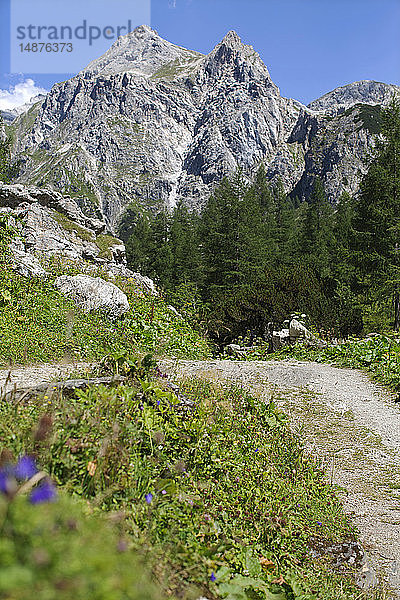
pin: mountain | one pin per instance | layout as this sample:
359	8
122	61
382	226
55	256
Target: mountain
150	123
359	92
10	115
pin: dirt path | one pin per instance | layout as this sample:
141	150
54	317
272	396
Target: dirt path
352	424
25	377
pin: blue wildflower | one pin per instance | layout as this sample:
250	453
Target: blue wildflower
25	468
213	578
44	492
148	498
4	482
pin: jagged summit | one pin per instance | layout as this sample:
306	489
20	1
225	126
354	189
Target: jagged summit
243	62
141	51
231	38
360	92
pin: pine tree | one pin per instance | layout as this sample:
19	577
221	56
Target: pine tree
161	261
286	233
185	246
259	229
220	235
377	215
8	169
317	230
140	246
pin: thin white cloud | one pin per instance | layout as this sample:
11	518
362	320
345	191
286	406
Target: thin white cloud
19	94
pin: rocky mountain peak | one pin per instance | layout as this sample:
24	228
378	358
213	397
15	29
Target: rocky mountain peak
150	123
233	59
141	51
359	92
232	39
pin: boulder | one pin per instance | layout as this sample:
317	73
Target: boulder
238	351
93	293
297	330
49	225
279	339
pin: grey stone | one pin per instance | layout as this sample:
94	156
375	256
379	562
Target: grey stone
174	311
297	330
37	216
93	293
27	264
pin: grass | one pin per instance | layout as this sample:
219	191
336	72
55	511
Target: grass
38	324
104	243
56	550
226	520
71	226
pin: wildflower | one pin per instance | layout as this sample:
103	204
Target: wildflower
7	483
213	578
319	523
25	468
44	492
122	546
91	468
148	498
163	492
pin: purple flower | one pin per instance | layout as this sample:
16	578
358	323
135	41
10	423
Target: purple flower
158	402
4	482
163	492
148	498
213	578
25	468
44	492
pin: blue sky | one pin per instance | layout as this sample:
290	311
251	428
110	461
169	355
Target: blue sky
309	46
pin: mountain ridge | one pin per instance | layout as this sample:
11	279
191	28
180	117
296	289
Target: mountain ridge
173	126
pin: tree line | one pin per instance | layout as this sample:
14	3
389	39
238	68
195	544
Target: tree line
256	255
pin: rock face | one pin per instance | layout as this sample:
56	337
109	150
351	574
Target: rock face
359	92
24	263
150	123
51	227
93	293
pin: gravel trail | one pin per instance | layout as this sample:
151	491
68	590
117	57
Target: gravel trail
26	377
349	422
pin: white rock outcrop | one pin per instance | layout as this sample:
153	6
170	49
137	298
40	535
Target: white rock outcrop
94	293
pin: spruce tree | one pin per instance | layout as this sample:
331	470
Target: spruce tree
8	168
377	216
185	246
317	231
